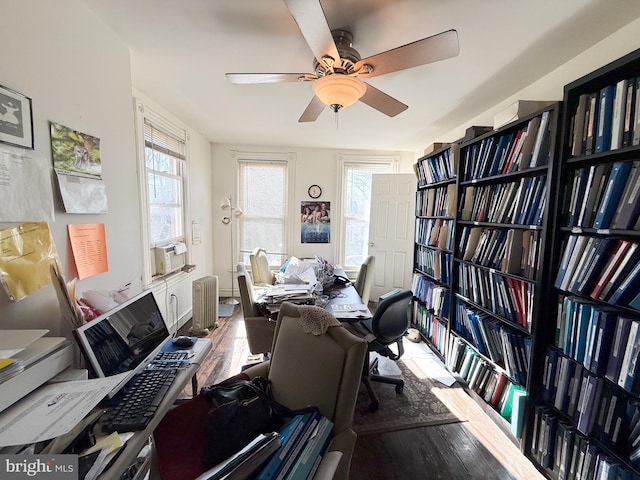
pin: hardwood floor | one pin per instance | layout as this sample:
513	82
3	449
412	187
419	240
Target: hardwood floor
474	449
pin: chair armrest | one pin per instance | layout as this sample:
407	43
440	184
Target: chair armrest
258	370
345	442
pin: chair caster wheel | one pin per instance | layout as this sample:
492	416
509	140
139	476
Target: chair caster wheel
399	388
374	406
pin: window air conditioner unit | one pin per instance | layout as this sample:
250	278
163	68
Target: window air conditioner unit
167	260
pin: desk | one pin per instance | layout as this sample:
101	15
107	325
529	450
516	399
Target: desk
133	446
346	295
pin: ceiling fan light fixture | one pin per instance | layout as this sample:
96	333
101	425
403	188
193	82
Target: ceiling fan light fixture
340	90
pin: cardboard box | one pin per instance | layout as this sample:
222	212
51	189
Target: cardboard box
475	131
433	147
518	110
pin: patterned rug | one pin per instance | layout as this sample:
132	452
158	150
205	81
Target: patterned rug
416	407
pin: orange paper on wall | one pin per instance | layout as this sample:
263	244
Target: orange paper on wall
89	248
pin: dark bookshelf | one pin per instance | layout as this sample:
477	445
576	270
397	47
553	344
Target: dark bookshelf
585	420
504	191
433	248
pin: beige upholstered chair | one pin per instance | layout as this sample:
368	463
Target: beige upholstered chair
260	270
364	282
322	370
259	328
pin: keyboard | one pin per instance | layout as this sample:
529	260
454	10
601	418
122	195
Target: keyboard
141	398
170	356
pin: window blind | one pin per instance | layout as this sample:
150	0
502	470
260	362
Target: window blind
164	137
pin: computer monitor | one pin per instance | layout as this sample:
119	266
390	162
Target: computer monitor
124	339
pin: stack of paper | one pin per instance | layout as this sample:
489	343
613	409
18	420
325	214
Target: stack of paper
9	368
287	292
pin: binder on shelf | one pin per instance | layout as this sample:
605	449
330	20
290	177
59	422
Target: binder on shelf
623	268
579	125
617	121
618	347
619	251
592	124
611	196
605	117
630	359
629	208
630	103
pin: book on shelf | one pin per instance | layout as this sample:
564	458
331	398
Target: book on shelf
591	120
588	403
622	270
628	288
595	261
635	302
580	269
579	125
619	251
540	153
617	120
518	412
630	358
575	255
635	140
575	389
618	347
629	207
611	196
629	112
605	117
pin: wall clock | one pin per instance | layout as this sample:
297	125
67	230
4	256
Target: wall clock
315	191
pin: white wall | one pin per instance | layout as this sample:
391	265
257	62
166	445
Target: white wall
77	73
312	166
551	86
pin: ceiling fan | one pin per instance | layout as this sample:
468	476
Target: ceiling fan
338	69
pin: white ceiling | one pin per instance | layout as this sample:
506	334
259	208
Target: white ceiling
181	49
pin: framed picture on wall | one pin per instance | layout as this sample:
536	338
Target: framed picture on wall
315	222
16	121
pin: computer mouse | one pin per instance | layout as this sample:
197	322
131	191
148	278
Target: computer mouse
183	341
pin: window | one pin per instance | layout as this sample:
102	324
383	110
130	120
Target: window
357	177
263	200
164	185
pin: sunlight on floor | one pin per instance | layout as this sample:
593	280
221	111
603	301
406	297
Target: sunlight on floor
425	364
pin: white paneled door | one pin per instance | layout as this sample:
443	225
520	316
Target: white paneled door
391	227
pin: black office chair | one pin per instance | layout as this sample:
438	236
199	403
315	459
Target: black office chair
389	324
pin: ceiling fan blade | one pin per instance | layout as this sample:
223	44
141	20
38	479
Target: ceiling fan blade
313	110
249	78
382	102
431	49
312	22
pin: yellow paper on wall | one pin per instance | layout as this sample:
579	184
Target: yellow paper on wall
26	253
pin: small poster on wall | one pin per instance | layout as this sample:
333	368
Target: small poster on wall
315	222
76	160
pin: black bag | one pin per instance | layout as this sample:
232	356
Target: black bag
240	410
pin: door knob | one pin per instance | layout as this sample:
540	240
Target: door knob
371	244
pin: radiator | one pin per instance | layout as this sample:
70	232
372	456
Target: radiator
205	302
